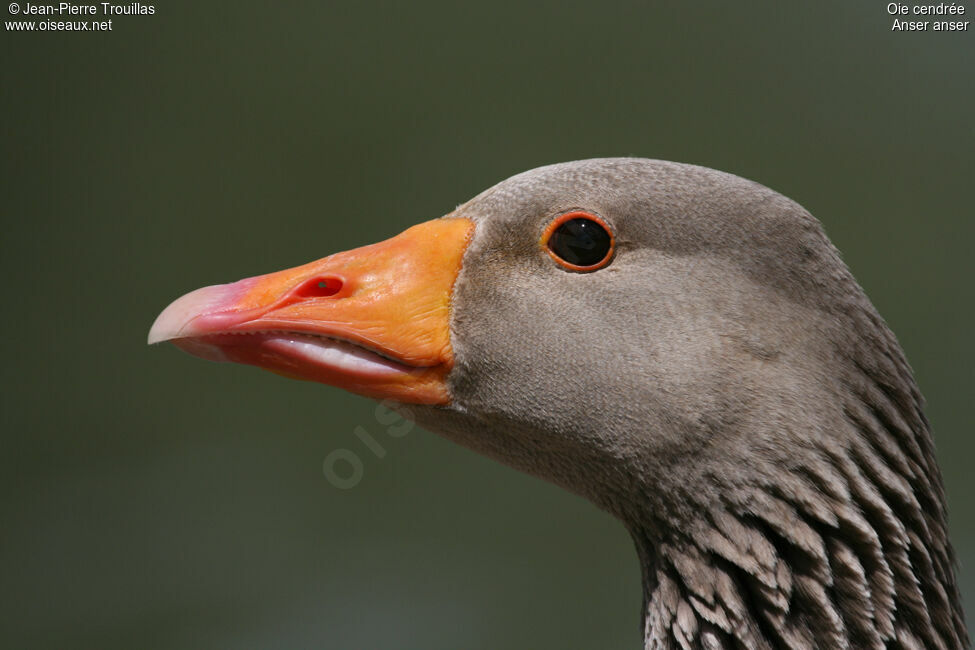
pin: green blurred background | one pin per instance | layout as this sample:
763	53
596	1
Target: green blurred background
151	500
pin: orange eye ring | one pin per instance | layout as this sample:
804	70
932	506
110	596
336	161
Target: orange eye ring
604	241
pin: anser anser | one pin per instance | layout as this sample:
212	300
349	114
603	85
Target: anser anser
681	346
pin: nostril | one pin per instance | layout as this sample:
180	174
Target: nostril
320	287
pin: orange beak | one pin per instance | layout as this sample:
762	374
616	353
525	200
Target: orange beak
374	320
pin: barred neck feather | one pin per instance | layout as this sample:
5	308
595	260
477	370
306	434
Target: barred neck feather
848	548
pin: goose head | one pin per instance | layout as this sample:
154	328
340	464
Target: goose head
681	346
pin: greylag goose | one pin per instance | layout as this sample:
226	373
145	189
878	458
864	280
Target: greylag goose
679	345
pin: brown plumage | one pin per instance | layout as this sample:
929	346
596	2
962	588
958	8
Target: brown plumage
723	386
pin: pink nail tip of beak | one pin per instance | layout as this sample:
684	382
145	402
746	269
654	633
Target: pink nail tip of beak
182	318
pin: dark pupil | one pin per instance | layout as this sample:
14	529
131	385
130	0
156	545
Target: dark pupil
582	242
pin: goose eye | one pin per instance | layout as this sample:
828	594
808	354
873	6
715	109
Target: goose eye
579	241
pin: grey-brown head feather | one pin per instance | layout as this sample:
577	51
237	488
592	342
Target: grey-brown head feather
726	389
